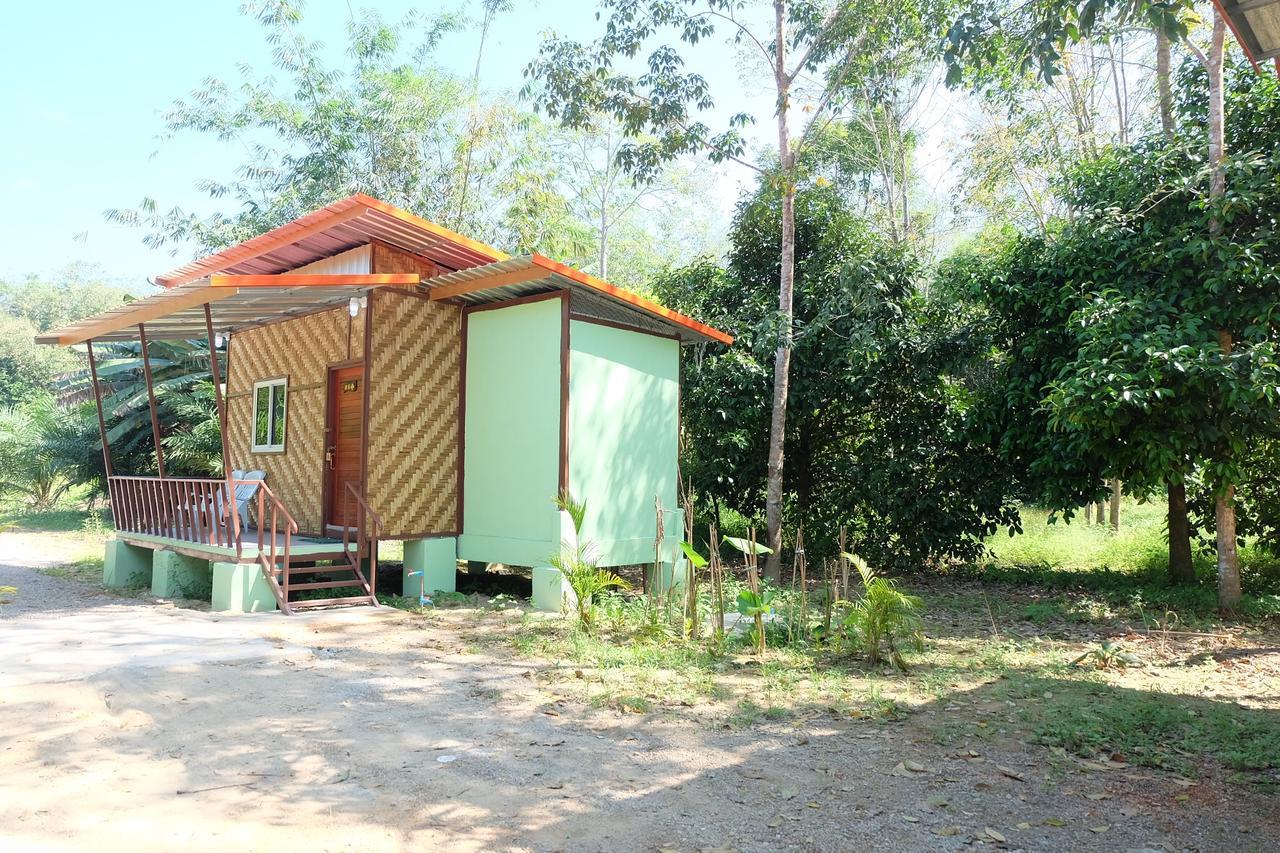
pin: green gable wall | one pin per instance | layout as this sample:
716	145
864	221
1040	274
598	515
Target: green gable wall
623	436
511	454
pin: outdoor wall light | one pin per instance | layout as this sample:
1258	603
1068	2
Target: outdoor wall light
355	304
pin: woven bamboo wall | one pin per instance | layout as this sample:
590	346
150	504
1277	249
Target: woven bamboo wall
302	350
390	260
413	422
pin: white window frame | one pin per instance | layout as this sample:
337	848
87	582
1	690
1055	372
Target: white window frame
279	389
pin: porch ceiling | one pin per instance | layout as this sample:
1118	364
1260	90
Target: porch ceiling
1256	24
178	313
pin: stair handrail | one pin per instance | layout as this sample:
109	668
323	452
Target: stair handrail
363	542
290	528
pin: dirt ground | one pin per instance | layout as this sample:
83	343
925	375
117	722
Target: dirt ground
377	730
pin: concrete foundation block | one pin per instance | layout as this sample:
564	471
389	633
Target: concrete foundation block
241	588
551	592
126	565
437	559
180	576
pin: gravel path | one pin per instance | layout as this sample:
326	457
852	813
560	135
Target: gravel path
374	730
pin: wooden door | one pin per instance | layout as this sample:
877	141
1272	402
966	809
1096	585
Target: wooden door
342	443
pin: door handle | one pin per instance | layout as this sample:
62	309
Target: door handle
328	458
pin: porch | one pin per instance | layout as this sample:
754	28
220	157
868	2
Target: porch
176	533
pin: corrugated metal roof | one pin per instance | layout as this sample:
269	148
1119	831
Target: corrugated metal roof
337	227
589	296
178	312
1256	24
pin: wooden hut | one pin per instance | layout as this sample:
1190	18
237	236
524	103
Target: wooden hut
389	379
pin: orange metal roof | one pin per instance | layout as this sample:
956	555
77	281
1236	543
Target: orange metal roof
249	285
343	225
531	274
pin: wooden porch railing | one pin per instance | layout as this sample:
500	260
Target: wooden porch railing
191	509
366	539
275	542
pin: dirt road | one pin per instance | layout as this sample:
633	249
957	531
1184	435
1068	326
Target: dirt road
127	724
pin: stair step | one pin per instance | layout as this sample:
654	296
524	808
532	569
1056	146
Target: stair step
294	571
324	584
332	602
313	557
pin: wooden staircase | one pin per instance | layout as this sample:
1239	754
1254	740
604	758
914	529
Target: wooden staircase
318	570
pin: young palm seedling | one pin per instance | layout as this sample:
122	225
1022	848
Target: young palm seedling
883	616
578	561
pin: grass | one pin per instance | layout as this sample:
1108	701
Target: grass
1125	571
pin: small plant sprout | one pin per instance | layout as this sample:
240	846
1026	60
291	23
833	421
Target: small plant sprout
883	616
1108	656
753	601
577	562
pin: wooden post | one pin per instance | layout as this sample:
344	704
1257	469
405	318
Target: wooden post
151	399
216	373
102	421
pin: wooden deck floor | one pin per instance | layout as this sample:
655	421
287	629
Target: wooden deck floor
301	547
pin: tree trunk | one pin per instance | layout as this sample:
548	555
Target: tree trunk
1224	508
1162	84
1180	569
1099	512
1115	506
603	266
782	359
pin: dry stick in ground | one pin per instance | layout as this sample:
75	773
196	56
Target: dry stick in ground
691	573
844	563
802	568
717	577
753	581
828	580
991	614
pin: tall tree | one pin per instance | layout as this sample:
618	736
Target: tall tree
387	120
810	49
1036	33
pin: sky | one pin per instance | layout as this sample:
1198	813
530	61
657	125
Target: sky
85	85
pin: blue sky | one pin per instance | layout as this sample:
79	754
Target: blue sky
85	84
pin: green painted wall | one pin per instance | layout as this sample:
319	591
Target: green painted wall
623	436
512	430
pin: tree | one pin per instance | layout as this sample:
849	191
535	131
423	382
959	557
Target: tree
29	370
808	47
1035	33
390	123
181	380
875	438
1112	350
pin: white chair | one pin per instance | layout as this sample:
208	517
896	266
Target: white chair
244	492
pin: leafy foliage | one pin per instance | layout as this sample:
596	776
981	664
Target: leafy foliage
577	562
875	410
41	453
390	123
883	617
